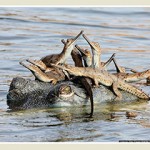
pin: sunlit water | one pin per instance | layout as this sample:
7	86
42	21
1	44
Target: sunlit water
36	32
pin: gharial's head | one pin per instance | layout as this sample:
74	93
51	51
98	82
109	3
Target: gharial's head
69	43
94	45
61	95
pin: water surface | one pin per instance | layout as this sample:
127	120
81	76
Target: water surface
36	32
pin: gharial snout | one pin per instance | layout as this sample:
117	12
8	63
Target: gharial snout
15	99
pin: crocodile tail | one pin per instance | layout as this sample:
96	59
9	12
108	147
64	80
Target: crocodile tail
134	90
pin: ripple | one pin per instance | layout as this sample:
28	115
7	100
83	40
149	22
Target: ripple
15	20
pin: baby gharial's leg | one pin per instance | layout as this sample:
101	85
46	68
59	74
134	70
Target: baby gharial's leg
116	91
95	83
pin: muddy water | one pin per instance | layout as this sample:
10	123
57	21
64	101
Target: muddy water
36	32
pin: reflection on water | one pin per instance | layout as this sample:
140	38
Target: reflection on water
36	32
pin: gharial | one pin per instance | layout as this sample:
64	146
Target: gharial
26	93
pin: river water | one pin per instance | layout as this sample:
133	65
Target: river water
27	32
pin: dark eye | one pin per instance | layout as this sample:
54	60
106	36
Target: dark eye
65	89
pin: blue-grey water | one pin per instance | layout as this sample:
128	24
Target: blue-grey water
35	32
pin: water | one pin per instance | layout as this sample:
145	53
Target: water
36	32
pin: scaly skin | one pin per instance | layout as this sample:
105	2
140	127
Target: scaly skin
96	50
28	94
104	78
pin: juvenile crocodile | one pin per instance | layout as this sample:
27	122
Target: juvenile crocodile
56	58
44	72
131	77
51	76
121	74
87	58
104	78
96	53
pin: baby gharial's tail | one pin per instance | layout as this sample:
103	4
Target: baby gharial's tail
133	90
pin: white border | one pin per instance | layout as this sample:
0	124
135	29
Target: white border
74	5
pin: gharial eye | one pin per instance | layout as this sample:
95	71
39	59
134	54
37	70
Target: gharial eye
65	89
